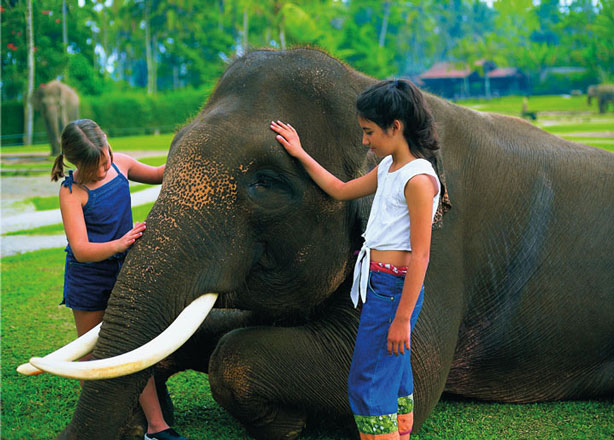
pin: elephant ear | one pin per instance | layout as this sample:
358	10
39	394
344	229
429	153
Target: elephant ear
444	199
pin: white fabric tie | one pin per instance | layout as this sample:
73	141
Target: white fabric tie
361	276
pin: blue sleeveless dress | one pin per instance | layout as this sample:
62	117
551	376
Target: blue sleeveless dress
108	216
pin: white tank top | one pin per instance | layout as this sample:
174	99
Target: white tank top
388	226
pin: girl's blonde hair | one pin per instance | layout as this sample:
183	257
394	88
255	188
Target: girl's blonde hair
83	144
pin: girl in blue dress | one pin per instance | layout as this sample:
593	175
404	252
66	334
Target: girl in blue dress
97	216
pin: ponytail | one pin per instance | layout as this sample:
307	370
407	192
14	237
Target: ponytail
83	144
58	168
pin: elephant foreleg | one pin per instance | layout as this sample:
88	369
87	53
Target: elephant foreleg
195	353
271	378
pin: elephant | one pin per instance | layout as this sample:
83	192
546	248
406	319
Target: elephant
519	290
58	104
604	94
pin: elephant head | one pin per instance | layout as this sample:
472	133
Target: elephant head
238	217
58	104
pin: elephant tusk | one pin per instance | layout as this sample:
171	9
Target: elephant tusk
145	356
76	349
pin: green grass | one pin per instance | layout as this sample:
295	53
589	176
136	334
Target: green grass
154	161
579	127
605	144
39	407
41	230
125	143
52	202
139	214
512	105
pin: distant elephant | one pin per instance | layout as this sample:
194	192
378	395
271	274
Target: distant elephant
519	291
58	104
604	94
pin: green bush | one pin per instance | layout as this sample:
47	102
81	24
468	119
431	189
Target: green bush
83	77
556	83
12	124
119	113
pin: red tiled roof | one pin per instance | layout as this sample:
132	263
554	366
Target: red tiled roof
445	70
503	72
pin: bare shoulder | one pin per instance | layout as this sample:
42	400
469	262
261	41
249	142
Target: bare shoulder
123	162
78	195
421	184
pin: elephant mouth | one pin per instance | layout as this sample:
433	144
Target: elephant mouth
60	362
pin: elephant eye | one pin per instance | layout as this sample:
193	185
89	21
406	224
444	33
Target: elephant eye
269	189
264	182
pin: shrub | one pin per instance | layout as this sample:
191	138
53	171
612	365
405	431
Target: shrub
119	113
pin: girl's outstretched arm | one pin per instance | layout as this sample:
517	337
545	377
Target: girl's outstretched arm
85	251
138	171
334	187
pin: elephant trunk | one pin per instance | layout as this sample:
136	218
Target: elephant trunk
163	273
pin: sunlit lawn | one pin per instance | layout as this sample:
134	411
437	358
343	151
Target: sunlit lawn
126	143
512	105
39	407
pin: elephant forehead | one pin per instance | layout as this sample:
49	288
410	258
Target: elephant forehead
201	183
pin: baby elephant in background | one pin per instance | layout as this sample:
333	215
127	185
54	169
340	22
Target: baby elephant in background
58	104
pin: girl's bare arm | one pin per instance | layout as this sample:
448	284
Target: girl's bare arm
71	207
334	187
138	171
419	193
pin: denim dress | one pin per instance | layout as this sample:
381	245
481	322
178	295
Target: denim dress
108	216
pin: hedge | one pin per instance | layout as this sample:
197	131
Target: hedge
119	114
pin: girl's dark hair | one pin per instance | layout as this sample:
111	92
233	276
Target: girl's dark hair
83	144
386	101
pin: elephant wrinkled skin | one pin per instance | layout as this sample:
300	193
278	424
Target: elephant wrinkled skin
518	293
58	104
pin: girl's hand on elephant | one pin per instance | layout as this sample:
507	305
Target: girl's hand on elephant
130	237
288	137
399	336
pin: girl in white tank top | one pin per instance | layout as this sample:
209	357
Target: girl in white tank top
391	266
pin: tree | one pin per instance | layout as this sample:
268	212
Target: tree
29	113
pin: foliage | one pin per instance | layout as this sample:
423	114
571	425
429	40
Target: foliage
118	113
190	42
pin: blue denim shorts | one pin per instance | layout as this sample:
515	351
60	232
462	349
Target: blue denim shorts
87	286
378	380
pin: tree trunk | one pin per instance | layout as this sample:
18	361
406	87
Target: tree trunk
175	77
282	35
65	38
487	85
151	87
220	16
28	111
245	30
382	34
105	40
